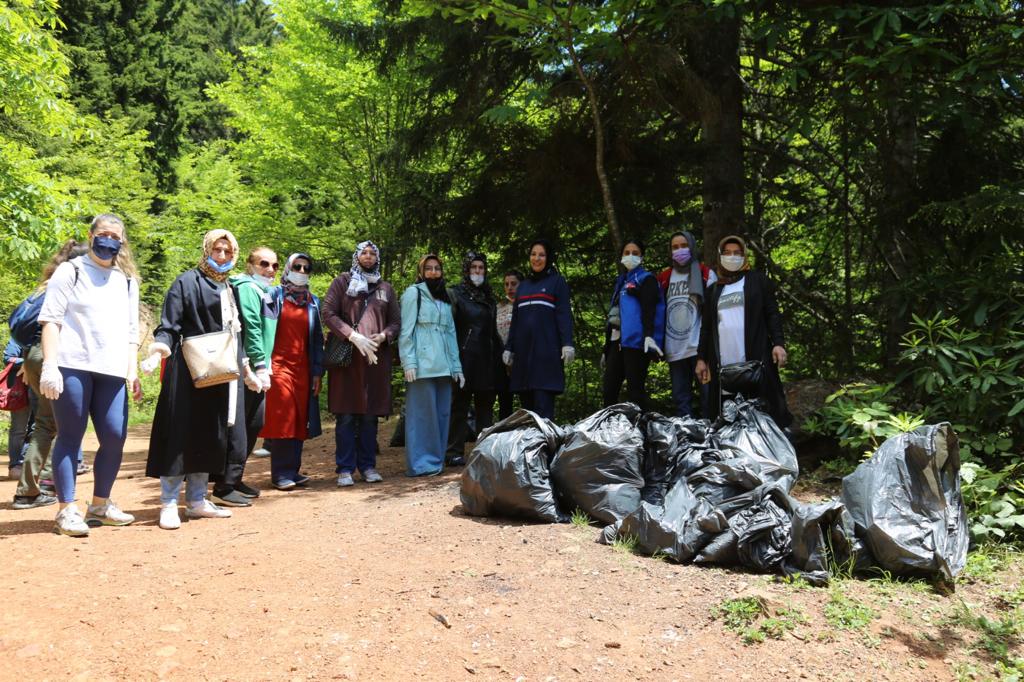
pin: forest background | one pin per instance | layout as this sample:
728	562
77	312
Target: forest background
872	153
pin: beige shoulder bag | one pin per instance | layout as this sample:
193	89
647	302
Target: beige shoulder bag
212	358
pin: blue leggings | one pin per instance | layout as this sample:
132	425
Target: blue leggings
105	399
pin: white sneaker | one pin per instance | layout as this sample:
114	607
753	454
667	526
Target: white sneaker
207	510
261	452
69	521
169	519
107	515
345	480
372	476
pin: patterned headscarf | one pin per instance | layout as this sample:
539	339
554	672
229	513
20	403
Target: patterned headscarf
209	239
296	293
724	276
362	279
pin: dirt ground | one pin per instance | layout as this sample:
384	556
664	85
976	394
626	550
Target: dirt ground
353	584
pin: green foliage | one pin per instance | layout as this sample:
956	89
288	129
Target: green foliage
750	618
996	637
862	416
845	613
625	544
580	519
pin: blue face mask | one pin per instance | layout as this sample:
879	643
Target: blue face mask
218	267
105	248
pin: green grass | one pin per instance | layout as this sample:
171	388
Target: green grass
845	613
580	519
626	544
749	617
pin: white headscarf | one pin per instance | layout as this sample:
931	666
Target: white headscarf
362	279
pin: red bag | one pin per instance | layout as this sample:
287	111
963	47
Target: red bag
13	391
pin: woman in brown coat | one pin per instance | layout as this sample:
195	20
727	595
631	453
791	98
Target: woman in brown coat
362	308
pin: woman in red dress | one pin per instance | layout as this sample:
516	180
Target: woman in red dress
293	410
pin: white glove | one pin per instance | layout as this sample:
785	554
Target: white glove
252	382
263	375
150	364
568	354
615	335
410	375
364	344
650	345
51	381
506	357
460	379
604	360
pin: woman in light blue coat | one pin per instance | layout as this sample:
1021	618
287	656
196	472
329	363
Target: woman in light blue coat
430	358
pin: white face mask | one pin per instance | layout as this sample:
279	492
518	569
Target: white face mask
298	278
477	280
631	261
732	263
265	281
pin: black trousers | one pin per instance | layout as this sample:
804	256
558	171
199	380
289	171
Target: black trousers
629	365
506	405
255	404
458	427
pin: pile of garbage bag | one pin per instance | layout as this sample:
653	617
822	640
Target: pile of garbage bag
718	493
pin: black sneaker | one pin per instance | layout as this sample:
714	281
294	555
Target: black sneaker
456	461
31	502
231	498
246	491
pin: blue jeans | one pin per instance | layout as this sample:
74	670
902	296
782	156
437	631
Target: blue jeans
355	443
285	458
683	375
17	437
195	488
105	399
428	407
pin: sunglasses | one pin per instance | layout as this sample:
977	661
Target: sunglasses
268	264
299	267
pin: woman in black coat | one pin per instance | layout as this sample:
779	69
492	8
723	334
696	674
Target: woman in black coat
474	309
742	325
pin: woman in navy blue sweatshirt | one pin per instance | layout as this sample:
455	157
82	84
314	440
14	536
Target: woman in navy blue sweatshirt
540	337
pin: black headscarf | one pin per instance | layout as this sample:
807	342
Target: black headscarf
478	294
549	268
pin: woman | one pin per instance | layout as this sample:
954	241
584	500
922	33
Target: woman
363	308
430	358
25	327
504	322
90	342
259	310
475	313
635	330
293	411
748	330
540	336
196	430
683	284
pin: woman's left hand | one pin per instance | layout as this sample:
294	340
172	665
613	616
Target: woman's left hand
779	356
135	386
316	386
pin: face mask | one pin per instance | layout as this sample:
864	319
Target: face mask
265	281
299	279
732	263
681	256
631	261
220	268
477	280
105	248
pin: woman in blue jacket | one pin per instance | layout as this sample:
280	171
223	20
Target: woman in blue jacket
635	332
540	337
430	358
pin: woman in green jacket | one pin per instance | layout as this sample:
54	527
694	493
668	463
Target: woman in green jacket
430	358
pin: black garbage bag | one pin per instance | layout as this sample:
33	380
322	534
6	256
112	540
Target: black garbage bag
674	448
755	434
600	467
906	504
725	478
824	540
507	472
678	529
759	533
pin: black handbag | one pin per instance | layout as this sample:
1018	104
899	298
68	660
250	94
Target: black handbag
743	378
338	351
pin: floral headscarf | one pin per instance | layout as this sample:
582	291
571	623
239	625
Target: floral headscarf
296	293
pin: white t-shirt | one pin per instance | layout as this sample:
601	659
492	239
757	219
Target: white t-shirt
682	319
731	342
98	316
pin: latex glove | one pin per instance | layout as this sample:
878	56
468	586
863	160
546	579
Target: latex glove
702	372
151	363
133	383
604	360
460	379
362	343
252	382
410	375
651	347
568	354
263	375
507	357
779	356
379	338
615	335
51	381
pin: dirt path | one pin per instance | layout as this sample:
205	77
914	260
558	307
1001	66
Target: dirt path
341	584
